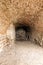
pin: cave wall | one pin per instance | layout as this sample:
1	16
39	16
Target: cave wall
29	12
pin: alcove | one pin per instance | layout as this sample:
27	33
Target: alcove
23	32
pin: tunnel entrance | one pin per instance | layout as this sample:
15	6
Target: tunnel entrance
22	32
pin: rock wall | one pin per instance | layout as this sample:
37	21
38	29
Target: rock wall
29	12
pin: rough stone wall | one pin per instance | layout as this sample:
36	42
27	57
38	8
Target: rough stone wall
22	11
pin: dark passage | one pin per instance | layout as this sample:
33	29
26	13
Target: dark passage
22	32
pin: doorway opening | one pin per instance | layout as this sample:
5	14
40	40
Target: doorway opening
22	32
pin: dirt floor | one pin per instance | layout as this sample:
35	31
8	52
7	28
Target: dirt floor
22	53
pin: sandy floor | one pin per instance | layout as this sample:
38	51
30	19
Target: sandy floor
28	54
22	53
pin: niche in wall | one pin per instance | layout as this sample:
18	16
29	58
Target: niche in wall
22	32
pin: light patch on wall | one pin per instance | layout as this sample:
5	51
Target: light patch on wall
2	41
7	38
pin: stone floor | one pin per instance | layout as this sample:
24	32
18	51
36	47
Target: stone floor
28	53
22	53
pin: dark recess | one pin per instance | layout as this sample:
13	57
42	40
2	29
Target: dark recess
23	32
